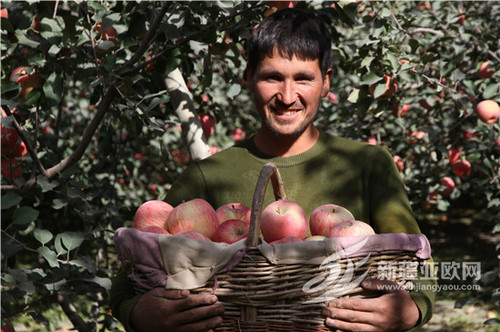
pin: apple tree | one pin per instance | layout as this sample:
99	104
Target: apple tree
105	102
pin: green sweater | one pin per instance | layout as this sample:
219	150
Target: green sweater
360	177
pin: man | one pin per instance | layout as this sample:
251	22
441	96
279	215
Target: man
288	73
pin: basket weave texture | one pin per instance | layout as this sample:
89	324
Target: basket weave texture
274	287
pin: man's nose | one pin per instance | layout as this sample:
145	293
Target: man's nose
287	95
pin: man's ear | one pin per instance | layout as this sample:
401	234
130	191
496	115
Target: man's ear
326	83
248	78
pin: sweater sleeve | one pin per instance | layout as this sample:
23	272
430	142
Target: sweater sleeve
122	298
392	213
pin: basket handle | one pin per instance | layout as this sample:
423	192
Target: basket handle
269	171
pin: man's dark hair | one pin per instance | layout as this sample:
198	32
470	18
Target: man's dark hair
291	32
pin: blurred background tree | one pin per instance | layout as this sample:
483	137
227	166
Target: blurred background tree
105	102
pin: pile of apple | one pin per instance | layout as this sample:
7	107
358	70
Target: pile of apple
282	221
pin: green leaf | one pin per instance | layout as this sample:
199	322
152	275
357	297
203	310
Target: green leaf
367	61
45	184
353	96
53	88
103	282
42	235
490	91
59	246
234	90
370	78
49	256
72	240
379	90
10	199
32	97
24	215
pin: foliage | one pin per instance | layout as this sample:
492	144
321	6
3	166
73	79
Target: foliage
99	136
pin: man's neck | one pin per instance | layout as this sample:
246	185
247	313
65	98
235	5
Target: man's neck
285	146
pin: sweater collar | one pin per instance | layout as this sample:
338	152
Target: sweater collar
317	149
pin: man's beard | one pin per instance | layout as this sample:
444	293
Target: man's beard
296	133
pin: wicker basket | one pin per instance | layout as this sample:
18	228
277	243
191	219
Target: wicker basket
261	296
261	293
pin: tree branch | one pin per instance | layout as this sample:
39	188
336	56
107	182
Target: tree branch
73	315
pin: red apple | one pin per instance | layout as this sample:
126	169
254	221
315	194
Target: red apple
238	134
233	211
193	235
4	13
288	239
390	88
315	238
27	81
153	212
488	111
332	97
231	231
8	327
403	110
351	228
461	168
448	184
274	6
207	124
155	229
194	215
283	218
400	164
11	168
324	217
416	136
483	70
454	154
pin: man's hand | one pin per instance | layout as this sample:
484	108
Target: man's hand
175	310
392	310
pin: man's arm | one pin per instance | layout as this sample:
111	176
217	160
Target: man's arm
161	309
392	310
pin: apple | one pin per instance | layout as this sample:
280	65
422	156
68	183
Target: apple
332	97
425	104
233	211
11	168
274	6
324	217
231	231
194	215
488	111
390	88
4	13
283	218
27	81
288	239
416	136
155	229
238	134
180	157
403	110
315	238
8	327
483	70
153	212
207	124
351	228
454	154
399	163
193	235
448	184
461	168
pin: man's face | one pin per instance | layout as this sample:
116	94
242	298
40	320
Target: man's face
287	93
